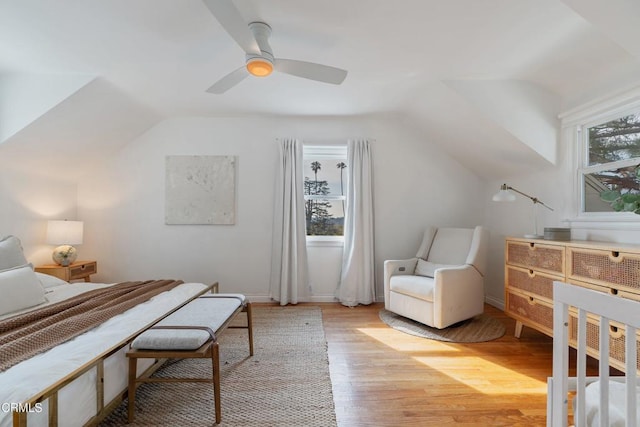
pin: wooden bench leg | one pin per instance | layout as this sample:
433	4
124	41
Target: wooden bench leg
133	365
250	327
215	365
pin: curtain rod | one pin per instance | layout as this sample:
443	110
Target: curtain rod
329	141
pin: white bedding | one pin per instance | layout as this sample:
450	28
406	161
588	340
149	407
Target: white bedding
77	400
617	406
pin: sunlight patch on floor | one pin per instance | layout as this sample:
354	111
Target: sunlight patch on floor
485	376
403	342
474	371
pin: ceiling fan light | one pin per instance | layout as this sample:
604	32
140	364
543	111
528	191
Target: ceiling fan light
259	67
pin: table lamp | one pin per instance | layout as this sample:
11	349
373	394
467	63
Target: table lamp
505	195
65	234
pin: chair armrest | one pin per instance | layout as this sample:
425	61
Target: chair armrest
393	267
453	270
457	290
452	280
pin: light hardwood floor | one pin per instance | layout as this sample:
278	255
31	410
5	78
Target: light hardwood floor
383	377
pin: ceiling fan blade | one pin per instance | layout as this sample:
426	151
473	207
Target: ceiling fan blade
310	70
233	23
229	81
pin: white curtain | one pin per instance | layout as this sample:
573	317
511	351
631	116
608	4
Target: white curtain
289	269
357	278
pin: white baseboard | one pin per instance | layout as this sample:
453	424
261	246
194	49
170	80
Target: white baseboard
498	303
323	298
313	298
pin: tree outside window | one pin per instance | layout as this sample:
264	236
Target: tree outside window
611	170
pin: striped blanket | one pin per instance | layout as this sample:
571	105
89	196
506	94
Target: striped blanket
25	335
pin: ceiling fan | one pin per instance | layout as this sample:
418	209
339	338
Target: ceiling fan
259	60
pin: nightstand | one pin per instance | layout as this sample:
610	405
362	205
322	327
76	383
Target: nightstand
75	271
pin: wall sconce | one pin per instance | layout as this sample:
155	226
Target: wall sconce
64	233
505	195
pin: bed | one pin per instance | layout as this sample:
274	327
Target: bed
603	400
80	381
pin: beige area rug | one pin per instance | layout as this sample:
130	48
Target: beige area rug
285	383
478	329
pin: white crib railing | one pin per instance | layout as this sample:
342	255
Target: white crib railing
607	308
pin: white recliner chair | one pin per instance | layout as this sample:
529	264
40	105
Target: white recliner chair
444	283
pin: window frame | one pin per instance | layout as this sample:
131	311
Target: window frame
577	122
337	151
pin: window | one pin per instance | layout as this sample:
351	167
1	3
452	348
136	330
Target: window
610	165
324	191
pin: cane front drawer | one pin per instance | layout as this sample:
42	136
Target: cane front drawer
534	311
605	289
614	269
536	256
531	281
83	270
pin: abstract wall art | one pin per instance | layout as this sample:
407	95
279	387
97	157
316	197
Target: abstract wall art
200	190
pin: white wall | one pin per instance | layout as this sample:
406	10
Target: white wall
524	109
516	219
25	97
122	203
324	271
26	202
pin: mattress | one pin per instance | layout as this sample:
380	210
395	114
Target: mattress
77	401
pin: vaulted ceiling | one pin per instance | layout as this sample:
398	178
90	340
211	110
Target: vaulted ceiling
485	79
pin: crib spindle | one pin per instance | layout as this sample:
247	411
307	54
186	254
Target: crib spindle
603	348
631	363
581	369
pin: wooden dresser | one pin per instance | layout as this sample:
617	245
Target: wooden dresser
531	266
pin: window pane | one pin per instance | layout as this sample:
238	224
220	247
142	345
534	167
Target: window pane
615	140
612	190
324	177
326	171
325	217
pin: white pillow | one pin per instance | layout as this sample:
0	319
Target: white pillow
49	281
11	253
16	267
428	269
20	288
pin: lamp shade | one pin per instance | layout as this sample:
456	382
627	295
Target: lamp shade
504	195
64	232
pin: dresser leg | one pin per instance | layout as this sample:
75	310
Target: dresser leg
518	331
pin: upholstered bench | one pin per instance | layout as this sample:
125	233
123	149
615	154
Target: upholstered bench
190	332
